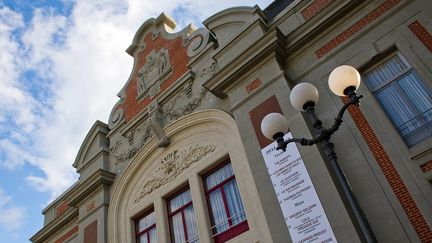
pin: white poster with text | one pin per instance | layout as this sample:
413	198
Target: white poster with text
301	207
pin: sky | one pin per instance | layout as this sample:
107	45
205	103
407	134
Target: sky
62	62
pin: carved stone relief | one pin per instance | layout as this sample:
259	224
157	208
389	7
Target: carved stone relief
173	112
156	123
209	70
171	166
154	71
124	149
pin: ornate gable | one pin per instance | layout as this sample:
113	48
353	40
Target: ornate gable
162	75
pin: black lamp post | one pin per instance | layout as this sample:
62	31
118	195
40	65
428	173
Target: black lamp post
343	81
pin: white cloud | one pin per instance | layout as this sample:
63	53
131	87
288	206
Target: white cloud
80	66
12	217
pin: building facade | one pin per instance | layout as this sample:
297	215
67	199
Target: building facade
180	159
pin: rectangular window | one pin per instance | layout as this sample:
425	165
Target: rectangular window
182	218
146	228
404	98
225	205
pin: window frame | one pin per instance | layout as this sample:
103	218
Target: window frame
407	101
182	211
138	233
232	230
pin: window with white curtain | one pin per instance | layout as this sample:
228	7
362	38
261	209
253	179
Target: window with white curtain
146	228
404	97
225	205
182	218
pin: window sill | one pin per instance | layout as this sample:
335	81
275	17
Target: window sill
421	149
232	232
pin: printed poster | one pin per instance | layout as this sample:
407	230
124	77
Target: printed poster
301	207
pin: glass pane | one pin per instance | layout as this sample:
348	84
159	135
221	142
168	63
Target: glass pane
146	222
218	211
385	72
177	228
416	92
191	227
235	204
392	100
219	176
143	238
153	235
180	200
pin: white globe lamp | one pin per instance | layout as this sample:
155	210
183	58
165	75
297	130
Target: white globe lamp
344	79
302	94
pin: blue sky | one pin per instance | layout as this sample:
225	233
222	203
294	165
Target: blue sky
62	62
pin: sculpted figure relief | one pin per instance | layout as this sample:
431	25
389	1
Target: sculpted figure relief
157	66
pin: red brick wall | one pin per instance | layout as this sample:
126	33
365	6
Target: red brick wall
68	235
355	28
396	183
426	166
178	58
90	233
258	113
422	34
314	8
61	208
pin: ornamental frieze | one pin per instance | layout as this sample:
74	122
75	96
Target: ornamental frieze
171	166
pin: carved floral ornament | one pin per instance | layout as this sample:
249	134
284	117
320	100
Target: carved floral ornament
171	166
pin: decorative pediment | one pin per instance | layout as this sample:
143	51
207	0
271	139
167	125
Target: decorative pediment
94	143
161	60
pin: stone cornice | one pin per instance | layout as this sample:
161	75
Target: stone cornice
56	225
270	43
313	27
99	179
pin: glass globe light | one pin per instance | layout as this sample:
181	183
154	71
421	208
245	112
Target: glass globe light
272	124
343	77
303	93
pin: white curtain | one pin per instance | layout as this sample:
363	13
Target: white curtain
177	223
153	235
219	176
232	196
143	238
146	222
191	227
177	228
235	204
180	200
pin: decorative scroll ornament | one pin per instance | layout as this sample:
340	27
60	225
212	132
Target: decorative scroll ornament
198	40
156	68
171	166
